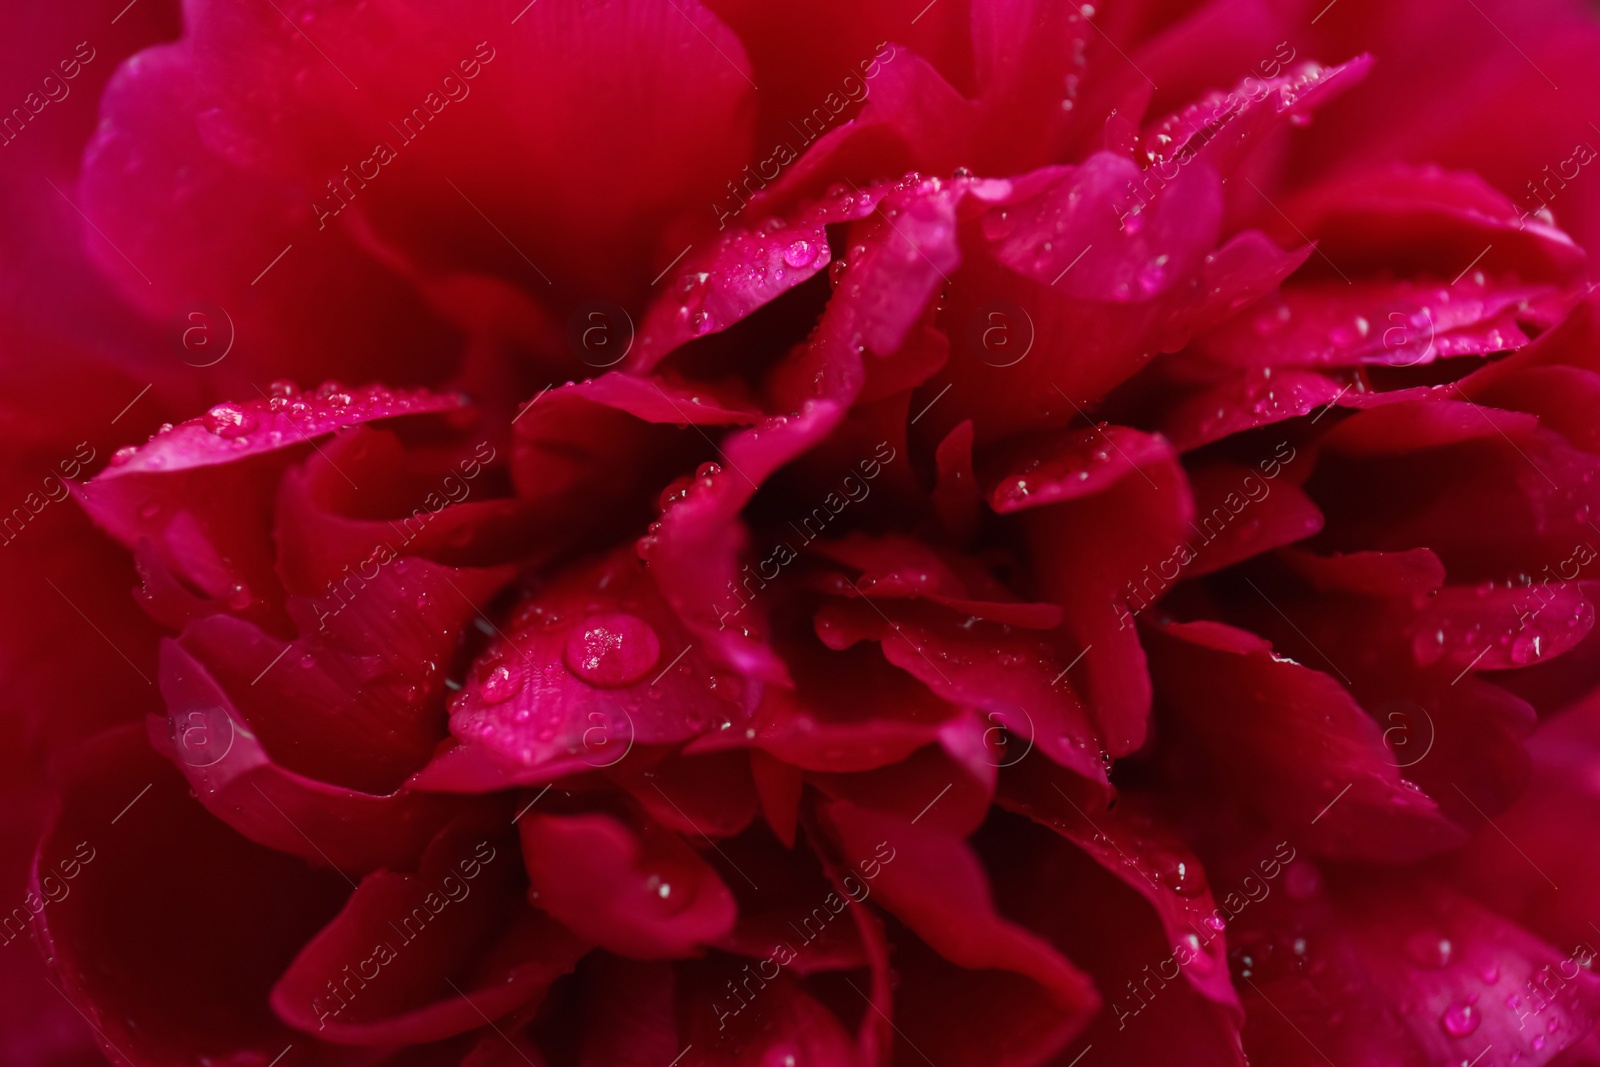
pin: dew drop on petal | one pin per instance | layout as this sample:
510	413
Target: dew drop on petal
799	253
229	420
1460	1019
611	650
500	684
1183	877
1430	949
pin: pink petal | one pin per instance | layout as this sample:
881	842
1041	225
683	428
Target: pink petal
849	711
1015	677
1402	971
587	667
1398	323
1425	220
1242	513
200	490
1069	464
355	698
1246	400
1132	844
1099	558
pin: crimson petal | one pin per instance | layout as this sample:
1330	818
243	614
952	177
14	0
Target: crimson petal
639	893
1293	744
448	947
586	668
147	941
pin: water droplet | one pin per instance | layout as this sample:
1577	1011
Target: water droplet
500	684
229	420
1460	1019
1430	949
611	650
1183	877
799	253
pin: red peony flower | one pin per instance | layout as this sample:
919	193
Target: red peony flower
990	532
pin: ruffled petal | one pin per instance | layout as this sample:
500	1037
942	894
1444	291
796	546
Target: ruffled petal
902	258
201	492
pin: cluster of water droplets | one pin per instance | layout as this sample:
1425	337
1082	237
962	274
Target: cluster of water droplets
1528	628
1059	472
286	416
1396	322
775	255
678	492
519	695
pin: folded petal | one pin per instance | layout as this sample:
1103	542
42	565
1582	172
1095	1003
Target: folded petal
639	893
151	941
417	957
1297	746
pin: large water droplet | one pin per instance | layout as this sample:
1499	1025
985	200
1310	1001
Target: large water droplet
799	253
611	650
229	420
1460	1019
